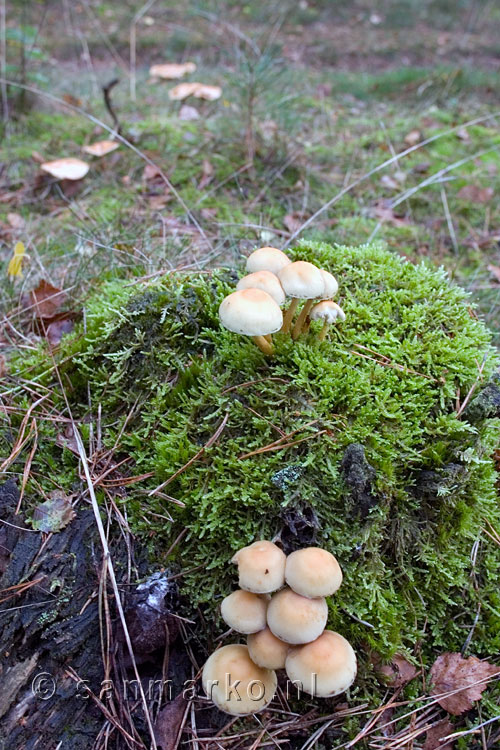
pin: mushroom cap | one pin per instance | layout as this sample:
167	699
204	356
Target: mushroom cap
101	148
331	285
302	280
183	90
210	93
296	619
266	281
250	312
266	650
267	259
325	667
68	168
169	71
327	310
313	572
230	664
261	567
244	612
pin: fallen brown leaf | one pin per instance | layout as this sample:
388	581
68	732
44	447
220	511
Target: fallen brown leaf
57	328
475	194
169	723
398	672
451	672
435	733
46	299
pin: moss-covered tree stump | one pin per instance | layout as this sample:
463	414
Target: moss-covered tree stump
373	444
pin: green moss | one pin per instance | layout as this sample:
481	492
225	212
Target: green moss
166	376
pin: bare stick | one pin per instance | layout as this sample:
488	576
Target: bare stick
106	90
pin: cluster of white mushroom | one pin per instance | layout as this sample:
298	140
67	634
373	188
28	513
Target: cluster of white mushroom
285	631
255	308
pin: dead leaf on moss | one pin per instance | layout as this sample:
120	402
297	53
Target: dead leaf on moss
46	299
398	672
433	740
58	327
475	194
54	514
451	672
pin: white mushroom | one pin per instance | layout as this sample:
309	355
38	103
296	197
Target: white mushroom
252	312
300	280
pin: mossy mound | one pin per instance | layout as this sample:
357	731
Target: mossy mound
379	468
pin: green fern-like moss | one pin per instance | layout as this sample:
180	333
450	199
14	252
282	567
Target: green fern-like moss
387	381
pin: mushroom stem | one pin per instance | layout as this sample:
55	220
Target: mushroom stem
288	316
268	338
297	329
324	331
264	345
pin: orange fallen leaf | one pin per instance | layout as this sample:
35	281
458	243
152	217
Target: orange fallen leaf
46	299
475	194
464	678
101	148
